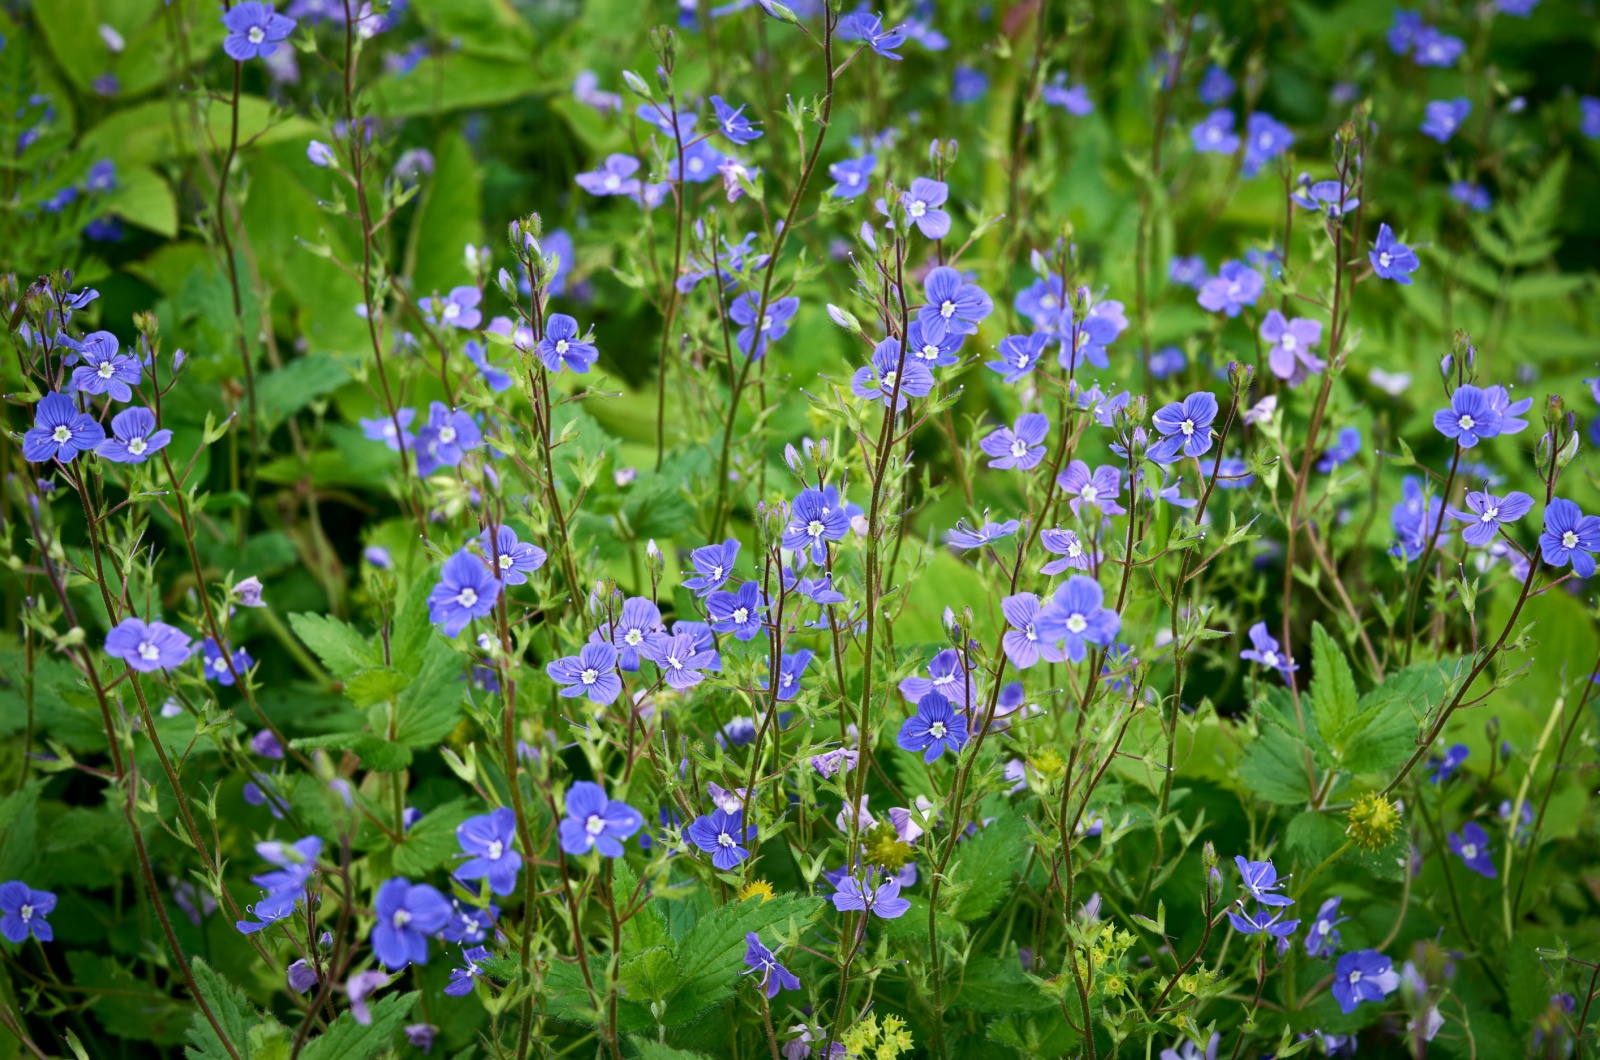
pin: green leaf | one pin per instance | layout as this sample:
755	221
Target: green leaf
1274	768
649	1050
1388	863
375	752
1333	688
230	1008
430	706
289	389
143	198
987	862
431	842
1383	733
997	984
342	649
348	1040
1314	836
712	953
376	685
447	219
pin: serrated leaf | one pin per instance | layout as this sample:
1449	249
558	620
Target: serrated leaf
649	1050
986	864
1274	768
376	685
375	752
230	1008
342	649
1334	700
712	953
430	706
348	1040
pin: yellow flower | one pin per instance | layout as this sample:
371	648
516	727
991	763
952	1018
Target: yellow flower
885	848
756	889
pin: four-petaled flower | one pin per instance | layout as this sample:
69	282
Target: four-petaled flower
1443	117
769	973
723	835
935	728
445	441
383	429
752	340
1291	357
1264	650
486	842
953	304
892	377
1185	427
25	910
1260	878
1097	489
921	205
1074	617
946	676
1067	545
738	612
1470	418
813	522
732	123
868	28
615	177
407	914
1215	135
884	901
1235	286
965	536
590	673
222	664
1021	446
1570	537
1322	937
1471	845
680	659
713	565
467	590
254	30
562	346
514	559
105	370
148	647
60	431
850	177
134	437
1021	642
1392	259
1365	975
1487	512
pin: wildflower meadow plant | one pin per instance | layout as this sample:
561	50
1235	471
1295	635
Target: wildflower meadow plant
793	528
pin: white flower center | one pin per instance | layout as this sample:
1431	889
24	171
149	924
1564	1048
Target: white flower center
814	528
220	664
496	849
1019	448
917	208
724	839
852	179
888	380
589	676
1090	494
137	446
936	730
716	574
1384	259
1465	423
562	345
105	369
451	310
766	322
741	615
930	352
1269	658
1187	427
401	918
1355	977
1469	851
26	912
447	434
1489	515
1323	927
1288	341
1074	550
947	309
505	561
633	638
672	661
256	34
149	651
1569	540
61	434
594	824
1077	623
467	597
612	182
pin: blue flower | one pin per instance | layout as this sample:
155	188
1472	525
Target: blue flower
1073	99
615	177
1265	138
934	353
467	589
713	565
25	910
148	647
813	523
1589	123
885	901
682	656
935	728
1432	48
1415	519
561	346
770	974
1063	543
1216	87
1403	31
1235	286
486	842
382	429
1074	617
254	30
458	309
953	304
1230	472
465	978
514	559
407	914
1021	642
1020	447
1098	490
447	438
1469	419
1471	845
1264	650
1167	362
1327	197
868	28
1088	340
1215	135
968	85
1263	922
1392	259
921	205
134	437
1185	427
699	164
1487	512
218	662
1473	196
732	123
774	325
946	676
1445	766
1019	355
105	370
965	536
60	431
851	177
1570	537
1442	117
1322	937
888	367
493	377
1346	447
1044	302
791	667
594	822
723	835
738	612
1260	879
1290	357
1188	272
1365	975
591	673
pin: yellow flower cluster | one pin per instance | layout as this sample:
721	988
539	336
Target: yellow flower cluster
870	1041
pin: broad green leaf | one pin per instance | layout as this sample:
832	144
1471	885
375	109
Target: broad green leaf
649	1050
985	865
997	984
376	685
1274	768
342	649
1333	688
431	705
230	1008
431	842
348	1040
374	751
711	955
1314	836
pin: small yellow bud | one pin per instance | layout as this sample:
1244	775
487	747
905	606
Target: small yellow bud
1373	821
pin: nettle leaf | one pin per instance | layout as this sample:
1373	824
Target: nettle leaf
1314	836
649	1050
233	1013
1274	768
430	706
1383	734
1334	700
998	984
431	842
376	685
712	953
986	864
342	649
348	1040
375	752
